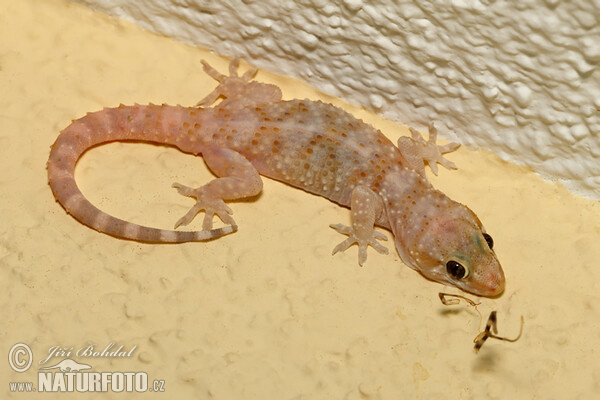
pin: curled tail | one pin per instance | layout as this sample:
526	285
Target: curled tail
158	124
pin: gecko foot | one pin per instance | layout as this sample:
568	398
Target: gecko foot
228	85
211	205
417	151
238	91
362	242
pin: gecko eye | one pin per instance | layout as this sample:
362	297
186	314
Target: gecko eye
456	270
489	240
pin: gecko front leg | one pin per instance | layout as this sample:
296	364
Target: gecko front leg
237	179
365	207
417	151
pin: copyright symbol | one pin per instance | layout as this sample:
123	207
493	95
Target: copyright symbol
20	357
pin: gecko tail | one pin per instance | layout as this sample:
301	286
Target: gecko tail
146	123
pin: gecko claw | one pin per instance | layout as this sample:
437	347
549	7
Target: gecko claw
362	243
419	152
212	206
228	85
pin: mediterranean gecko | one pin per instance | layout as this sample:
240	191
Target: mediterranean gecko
307	144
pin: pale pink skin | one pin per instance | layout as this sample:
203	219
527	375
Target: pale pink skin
434	230
307	144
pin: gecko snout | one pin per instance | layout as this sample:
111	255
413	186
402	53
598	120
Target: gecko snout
492	283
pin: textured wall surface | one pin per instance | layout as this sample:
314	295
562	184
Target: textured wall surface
517	77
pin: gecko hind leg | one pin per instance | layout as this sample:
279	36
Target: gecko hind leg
365	208
236	179
204	202
238	91
226	83
417	151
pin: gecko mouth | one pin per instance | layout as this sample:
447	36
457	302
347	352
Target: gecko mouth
495	283
491	284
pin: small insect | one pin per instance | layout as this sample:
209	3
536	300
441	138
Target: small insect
451	302
490	326
448	299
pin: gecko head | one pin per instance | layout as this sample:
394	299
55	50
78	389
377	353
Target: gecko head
452	247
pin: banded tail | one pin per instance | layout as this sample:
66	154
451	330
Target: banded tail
157	124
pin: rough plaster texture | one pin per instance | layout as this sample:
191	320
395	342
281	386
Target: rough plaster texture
517	77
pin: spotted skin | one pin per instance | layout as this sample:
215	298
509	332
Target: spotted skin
308	144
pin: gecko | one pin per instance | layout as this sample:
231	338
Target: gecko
244	130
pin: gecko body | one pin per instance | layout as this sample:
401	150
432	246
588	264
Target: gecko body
307	144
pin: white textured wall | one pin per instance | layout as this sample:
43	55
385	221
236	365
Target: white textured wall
518	77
